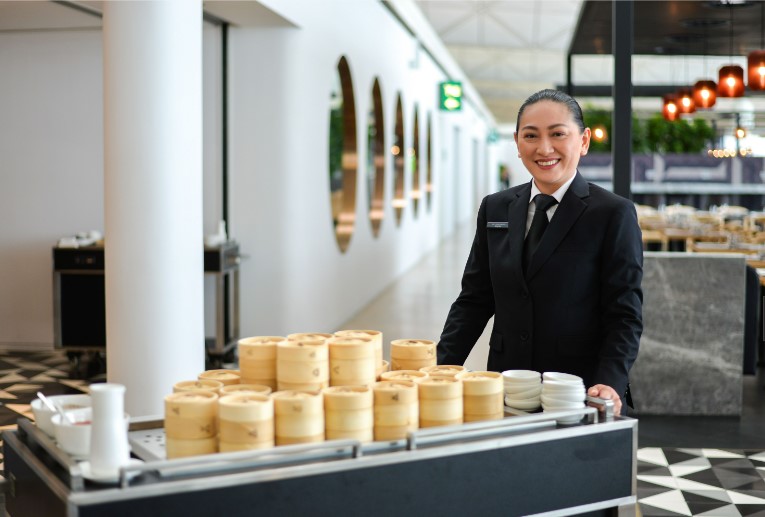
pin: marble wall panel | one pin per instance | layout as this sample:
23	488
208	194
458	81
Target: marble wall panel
691	351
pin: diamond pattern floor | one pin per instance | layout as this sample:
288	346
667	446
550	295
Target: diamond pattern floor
709	482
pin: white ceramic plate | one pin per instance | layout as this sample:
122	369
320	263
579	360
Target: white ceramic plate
114	478
521	375
522	404
561	377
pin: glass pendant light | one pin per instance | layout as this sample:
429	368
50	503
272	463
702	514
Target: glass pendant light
705	93
670	110
731	77
685	102
705	90
755	61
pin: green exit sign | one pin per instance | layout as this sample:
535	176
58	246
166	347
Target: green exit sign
451	95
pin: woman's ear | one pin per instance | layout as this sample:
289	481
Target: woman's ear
586	135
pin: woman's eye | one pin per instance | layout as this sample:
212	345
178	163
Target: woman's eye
529	136
559	133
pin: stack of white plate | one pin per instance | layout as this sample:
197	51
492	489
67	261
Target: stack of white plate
523	389
562	391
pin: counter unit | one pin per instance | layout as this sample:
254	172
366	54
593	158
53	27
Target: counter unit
519	465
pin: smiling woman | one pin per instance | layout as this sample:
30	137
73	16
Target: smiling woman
567	298
550	143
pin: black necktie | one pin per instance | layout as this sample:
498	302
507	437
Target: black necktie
538	227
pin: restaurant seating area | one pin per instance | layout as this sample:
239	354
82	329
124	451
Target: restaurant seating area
723	229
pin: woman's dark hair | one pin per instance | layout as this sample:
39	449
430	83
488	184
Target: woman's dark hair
555	96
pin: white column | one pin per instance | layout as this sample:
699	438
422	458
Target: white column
153	197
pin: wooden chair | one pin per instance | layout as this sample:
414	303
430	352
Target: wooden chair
655	237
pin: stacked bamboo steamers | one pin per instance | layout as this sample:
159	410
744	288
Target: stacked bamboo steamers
312	387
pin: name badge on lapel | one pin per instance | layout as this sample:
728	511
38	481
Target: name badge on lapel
490	225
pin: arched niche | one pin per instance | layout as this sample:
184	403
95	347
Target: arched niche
397	150
342	155
376	159
429	164
414	160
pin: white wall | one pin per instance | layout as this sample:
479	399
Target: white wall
51	163
294	277
51	166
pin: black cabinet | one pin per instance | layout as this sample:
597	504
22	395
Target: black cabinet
80	306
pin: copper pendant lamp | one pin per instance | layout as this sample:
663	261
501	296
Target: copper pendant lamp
705	90
670	110
685	102
705	93
755	61
731	77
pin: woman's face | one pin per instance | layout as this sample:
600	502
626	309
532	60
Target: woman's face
550	144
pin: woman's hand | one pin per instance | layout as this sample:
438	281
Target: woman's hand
603	391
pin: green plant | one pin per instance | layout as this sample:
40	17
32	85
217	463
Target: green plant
680	136
655	135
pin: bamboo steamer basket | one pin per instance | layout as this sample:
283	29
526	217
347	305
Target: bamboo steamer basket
258	348
478	418
309	336
302	364
481	383
348	413
191	415
377	342
443	371
227	377
362	435
351	361
396	410
440	402
177	448
234	447
491	404
412	354
236	389
392	433
197	385
246	419
342	398
257	360
385	368
298	417
483	395
415	376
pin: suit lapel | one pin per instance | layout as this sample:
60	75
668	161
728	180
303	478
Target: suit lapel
517	211
571	207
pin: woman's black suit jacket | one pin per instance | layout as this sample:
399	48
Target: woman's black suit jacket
578	309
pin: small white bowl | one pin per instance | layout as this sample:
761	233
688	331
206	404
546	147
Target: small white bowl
523	393
66	402
548	403
522	404
565	396
521	376
550	386
561	377
73	436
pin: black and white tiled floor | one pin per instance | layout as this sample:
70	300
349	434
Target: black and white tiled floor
23	374
708	482
671	481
